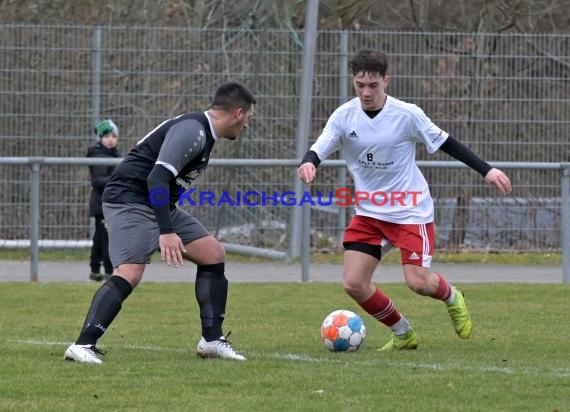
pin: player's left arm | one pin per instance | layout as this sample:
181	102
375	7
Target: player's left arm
493	176
434	138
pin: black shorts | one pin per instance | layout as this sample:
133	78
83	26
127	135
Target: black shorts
133	231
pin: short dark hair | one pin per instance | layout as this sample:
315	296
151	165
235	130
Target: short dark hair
369	61
232	95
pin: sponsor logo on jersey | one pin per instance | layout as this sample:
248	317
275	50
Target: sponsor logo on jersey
438	137
352	135
372	164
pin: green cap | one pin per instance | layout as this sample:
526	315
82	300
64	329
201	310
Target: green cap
106	126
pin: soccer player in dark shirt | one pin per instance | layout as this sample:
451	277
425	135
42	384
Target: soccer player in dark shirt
139	204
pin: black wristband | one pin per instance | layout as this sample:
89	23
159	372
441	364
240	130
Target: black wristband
311	157
462	153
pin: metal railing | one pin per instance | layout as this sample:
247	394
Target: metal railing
299	220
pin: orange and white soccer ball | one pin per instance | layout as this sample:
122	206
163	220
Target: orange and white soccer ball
343	331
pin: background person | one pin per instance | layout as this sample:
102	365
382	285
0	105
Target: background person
108	133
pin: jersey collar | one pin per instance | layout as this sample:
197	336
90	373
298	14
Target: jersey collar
211	126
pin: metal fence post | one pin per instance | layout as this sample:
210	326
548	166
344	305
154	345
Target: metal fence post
34	220
96	79
304	125
342	97
565	223
306	241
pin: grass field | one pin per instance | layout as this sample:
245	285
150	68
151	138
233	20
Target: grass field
517	361
542	258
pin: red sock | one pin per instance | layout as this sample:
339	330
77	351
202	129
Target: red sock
381	308
443	291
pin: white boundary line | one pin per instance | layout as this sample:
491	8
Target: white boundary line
296	357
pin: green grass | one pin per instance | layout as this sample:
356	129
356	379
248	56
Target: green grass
46	254
517	361
506	258
544	258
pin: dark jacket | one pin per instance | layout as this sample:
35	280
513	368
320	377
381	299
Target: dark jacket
100	176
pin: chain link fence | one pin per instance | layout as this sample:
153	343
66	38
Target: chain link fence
507	96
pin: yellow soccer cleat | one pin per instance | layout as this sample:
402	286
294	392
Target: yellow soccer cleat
408	341
460	315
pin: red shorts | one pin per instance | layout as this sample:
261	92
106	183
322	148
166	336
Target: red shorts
416	242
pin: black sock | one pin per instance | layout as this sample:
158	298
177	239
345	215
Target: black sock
211	293
105	306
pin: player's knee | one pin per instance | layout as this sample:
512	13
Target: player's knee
217	252
205	251
132	273
353	289
221	252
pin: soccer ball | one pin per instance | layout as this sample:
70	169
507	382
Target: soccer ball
343	331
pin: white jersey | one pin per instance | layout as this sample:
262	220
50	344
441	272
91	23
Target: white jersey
381	157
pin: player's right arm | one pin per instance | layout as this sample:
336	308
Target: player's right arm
170	244
327	143
183	142
308	169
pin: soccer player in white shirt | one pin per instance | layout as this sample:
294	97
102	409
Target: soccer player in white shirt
379	134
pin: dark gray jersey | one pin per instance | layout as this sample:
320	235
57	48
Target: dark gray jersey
181	144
